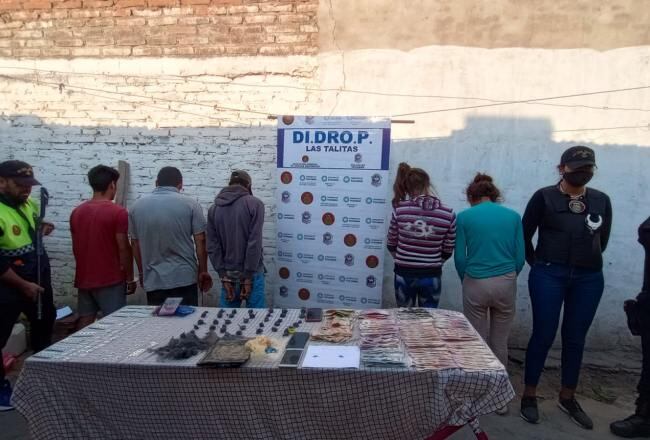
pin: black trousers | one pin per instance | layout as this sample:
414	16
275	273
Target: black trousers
644	308
12	304
190	295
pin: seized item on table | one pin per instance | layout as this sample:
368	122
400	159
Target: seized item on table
298	341
313	315
261	345
338	326
227	353
169	306
186	346
291	359
380	340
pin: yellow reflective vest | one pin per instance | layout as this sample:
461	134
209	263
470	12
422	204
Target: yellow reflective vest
16	239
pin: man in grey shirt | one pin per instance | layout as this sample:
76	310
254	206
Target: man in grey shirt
167	232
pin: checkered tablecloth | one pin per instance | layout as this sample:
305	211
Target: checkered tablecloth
105	383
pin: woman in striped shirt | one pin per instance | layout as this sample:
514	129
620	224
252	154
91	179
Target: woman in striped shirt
421	238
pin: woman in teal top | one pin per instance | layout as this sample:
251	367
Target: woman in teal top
489	255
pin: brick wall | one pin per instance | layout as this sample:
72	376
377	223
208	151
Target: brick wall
63	133
124	28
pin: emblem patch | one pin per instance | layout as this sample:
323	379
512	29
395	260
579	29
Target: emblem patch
577	206
16	229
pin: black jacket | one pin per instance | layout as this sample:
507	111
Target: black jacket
564	236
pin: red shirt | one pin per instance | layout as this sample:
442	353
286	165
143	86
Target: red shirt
93	226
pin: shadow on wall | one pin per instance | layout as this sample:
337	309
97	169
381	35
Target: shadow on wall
63	155
522	157
519	153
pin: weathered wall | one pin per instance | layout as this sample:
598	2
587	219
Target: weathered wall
552	24
124	28
151	114
208	116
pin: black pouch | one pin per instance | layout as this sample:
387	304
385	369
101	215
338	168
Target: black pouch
633	312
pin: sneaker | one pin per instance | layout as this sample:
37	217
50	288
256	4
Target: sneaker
573	409
529	411
633	426
502	411
5	396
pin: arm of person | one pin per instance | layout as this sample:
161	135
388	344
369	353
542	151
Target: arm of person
530	222
126	259
124	248
607	226
391	240
460	252
135	247
137	256
254	245
215	249
449	242
27	288
204	279
520	248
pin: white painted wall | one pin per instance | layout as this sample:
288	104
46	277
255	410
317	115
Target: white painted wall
519	145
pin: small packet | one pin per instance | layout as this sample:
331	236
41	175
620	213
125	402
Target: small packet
169	306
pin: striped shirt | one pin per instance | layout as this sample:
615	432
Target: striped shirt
422	235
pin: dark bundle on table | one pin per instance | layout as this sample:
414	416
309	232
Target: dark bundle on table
186	346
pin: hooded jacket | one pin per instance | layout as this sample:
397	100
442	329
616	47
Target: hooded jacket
235	223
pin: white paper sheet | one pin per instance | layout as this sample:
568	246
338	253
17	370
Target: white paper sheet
63	312
331	356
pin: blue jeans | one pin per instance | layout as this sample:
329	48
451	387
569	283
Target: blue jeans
256	300
417	292
551	286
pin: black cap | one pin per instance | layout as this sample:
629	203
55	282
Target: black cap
241	175
19	171
578	156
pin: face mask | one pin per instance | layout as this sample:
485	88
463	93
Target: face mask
578	178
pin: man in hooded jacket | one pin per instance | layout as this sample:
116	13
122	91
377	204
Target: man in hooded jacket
235	223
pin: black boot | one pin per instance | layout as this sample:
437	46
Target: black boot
637	425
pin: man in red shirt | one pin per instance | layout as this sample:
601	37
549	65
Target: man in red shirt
101	249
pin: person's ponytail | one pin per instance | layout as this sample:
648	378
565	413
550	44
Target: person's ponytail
399	187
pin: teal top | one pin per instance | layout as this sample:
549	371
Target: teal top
489	241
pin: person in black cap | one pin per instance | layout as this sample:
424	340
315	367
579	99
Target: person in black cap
638	424
235	223
18	264
573	224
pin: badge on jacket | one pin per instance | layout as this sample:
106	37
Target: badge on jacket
577	206
16	229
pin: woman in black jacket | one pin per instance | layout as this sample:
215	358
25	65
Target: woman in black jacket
573	223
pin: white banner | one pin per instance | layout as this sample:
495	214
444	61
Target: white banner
332	209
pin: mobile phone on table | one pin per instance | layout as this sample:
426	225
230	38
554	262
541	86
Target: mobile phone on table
314	315
298	341
291	359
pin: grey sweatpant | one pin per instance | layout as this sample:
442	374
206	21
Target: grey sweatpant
489	305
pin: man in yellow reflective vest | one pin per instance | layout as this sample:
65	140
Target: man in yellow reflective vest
18	264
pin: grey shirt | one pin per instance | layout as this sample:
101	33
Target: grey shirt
165	222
